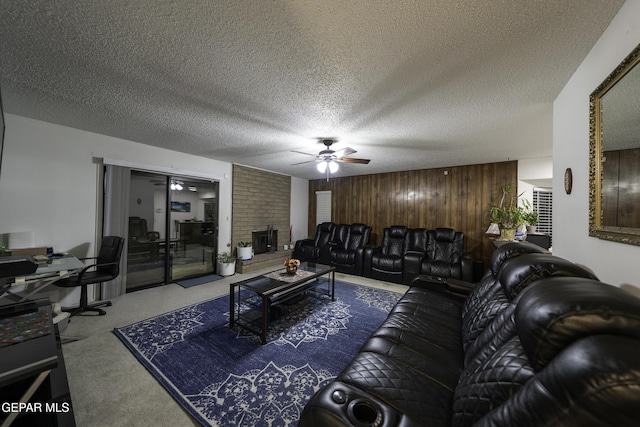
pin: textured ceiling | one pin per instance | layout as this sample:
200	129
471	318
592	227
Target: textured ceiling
408	84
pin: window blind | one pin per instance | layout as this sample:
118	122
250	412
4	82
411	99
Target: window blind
543	201
323	206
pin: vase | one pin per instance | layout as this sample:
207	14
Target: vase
245	253
291	270
507	233
226	268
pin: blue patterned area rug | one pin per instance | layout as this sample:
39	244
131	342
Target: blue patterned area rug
223	376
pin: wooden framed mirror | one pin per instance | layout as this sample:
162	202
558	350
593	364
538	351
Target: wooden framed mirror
614	154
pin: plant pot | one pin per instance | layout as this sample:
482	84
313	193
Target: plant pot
226	268
245	253
507	233
531	229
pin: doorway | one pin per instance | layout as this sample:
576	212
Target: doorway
173	229
193	227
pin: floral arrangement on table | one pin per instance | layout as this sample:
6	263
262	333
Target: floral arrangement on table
291	265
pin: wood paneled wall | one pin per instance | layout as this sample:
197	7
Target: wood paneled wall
456	197
620	192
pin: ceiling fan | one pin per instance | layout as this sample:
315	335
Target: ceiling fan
328	159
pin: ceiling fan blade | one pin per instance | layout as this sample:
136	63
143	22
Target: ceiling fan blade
301	152
306	161
344	152
352	160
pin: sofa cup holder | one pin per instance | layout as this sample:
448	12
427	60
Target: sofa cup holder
363	413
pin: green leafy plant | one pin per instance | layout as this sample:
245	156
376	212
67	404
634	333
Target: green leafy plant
529	214
244	244
508	213
226	257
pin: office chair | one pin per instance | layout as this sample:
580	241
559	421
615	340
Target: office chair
106	267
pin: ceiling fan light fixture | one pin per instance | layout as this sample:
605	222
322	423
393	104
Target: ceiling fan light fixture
333	166
322	167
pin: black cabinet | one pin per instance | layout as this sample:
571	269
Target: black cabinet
33	380
200	233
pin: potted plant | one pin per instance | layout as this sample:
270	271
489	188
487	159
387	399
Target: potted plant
530	216
245	251
226	264
507	214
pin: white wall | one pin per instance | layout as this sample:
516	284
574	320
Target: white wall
299	207
614	263
49	183
534	173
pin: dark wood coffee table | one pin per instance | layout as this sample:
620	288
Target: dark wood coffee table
259	295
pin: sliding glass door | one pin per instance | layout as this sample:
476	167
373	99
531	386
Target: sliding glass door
147	255
173	228
193	226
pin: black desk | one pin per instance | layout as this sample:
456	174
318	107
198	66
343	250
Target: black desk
33	381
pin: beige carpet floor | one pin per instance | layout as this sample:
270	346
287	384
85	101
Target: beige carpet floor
109	387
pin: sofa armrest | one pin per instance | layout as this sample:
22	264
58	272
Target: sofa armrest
342	405
369	252
472	269
304	242
442	284
299	244
430	282
359	268
411	266
460	286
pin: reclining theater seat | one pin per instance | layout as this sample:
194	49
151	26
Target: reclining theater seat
442	256
338	240
309	249
444	253
387	260
570	359
349	257
487	328
407	372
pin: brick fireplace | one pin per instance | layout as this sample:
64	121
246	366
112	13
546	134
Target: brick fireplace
264	241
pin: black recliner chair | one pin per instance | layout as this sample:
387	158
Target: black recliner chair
387	261
443	257
309	249
106	267
349	257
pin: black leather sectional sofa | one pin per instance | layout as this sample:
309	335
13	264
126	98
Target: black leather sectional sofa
539	341
403	254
